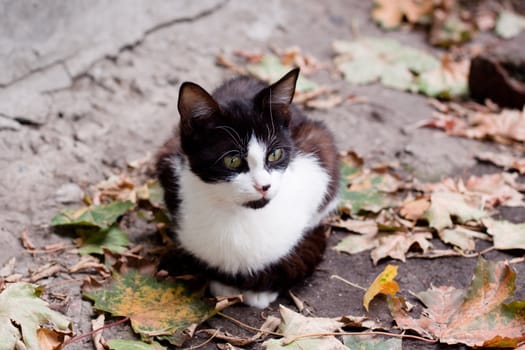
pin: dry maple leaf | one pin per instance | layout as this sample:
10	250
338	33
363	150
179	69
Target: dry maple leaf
475	317
390	13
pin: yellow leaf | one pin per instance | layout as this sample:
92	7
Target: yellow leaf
383	284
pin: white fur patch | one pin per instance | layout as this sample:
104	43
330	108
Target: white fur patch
216	228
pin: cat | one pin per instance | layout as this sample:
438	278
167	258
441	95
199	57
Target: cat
247	180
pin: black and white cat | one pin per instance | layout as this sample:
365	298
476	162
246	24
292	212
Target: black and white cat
248	179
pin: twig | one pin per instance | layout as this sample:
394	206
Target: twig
82	336
517	260
347	282
246	326
315	335
205	342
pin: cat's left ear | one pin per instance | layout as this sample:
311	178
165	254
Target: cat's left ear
281	92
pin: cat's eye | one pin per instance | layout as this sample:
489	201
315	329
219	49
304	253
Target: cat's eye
232	162
275	155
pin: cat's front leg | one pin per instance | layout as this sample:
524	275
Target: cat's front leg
259	300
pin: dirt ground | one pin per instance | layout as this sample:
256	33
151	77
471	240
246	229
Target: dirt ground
123	107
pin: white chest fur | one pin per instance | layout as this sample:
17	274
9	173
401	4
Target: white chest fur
236	239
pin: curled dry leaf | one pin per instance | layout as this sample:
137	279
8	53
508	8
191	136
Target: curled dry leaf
383	284
447	205
396	245
294	325
365	227
475	317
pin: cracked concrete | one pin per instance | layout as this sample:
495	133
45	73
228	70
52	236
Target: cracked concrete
39	53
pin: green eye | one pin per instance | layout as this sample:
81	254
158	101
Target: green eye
275	155
232	162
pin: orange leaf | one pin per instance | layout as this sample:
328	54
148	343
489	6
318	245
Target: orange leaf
475	317
383	284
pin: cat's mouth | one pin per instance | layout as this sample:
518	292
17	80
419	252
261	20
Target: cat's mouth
258	204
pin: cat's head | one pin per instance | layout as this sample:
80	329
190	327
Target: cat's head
239	142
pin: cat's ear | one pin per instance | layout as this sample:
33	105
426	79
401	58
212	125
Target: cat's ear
195	105
281	92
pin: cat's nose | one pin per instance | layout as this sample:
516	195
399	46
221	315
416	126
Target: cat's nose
262	189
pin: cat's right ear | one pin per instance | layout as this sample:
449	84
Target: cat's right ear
195	106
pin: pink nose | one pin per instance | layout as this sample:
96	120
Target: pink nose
262	189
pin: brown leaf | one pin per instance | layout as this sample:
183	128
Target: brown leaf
365	227
45	271
328	102
98	341
503	160
471	317
397	244
495	191
415	208
87	263
50	339
26	242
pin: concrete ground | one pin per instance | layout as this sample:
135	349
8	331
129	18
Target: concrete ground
86	86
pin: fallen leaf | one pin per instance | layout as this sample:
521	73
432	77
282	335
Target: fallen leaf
93	241
506	235
474	317
294	324
446	205
26	242
45	271
503	160
364	227
161	309
509	24
396	245
96	337
325	103
390	13
353	244
368	342
49	339
123	344
23	314
101	216
415	208
495	190
360	322
369	60
445	81
449	25
271	69
383	284
461	237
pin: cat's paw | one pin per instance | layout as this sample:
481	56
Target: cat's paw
218	289
259	299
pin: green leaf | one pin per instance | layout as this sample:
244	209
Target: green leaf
20	304
270	69
112	238
367	342
160	309
509	24
122	344
101	216
295	324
